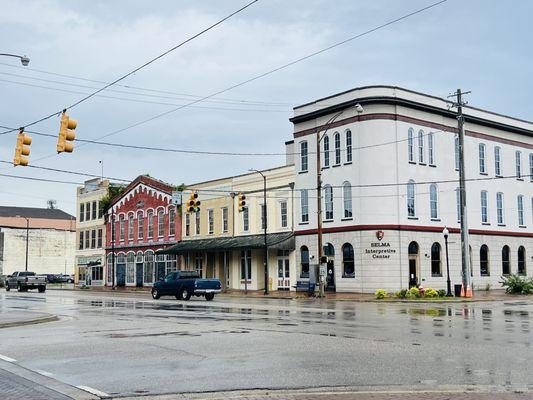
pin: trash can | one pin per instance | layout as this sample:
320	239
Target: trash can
457	290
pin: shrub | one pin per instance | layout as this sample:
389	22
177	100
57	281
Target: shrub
401	294
413	293
517	284
381	294
441	292
431	293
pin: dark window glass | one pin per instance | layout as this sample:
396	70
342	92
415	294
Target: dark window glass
435	260
484	260
348	261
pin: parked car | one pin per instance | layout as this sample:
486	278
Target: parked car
24	280
184	284
63	278
51	278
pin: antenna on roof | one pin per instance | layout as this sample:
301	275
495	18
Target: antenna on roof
51	204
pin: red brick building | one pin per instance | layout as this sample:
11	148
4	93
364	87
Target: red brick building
145	220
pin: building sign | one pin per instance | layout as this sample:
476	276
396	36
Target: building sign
380	249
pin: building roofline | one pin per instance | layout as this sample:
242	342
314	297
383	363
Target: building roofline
238	176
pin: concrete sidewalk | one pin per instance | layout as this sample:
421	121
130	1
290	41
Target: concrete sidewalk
10	318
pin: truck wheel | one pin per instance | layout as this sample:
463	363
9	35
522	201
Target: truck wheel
19	288
155	294
7	287
185	294
209	296
42	289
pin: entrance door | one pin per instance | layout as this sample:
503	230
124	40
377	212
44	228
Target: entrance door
330	276
139	275
413	277
284	281
88	275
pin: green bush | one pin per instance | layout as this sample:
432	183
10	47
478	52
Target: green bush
401	294
381	294
517	284
441	292
413	293
431	293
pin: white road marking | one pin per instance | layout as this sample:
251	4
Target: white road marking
45	373
93	391
6	358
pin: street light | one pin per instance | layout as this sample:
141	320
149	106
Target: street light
445	232
265	226
27	237
25	60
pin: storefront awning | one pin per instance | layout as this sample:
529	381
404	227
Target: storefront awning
278	241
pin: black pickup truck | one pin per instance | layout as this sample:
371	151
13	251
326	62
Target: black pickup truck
184	284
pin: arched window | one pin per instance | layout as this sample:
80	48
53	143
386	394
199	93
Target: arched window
148	267
521	260
328	200
348	261
520	203
326	150
484	207
497	161
413	249
337	138
139	257
121	227
436	269
140	225
411	198
109	268
150	223
411	145
421	146
349	146
130	227
518	164
303	156
347	199
433	201
506	260
329	250
304	262
172	221
484	260
161	223
482	166
130	268
457	159
499	208
431	149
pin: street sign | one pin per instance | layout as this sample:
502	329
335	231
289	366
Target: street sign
177	197
322	271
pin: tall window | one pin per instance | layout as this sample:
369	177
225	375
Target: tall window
172	221
94	209
458	202
484	260
246	264
87	211
326	150
337	138
197	222
100	210
304	257
81	240
328	200
411	145
187	224
531	167
130	227
348	264
421	146
245	219
150	223
506	260
121	228
518	164
263	216
347	199
411	198
499	208
482	166
433	201
93	239
283	214
130	268
140	225
520	201
435	260
484	207
160	223
431	149
349	146
82	212
521	260
87	239
303	156
100	239
149	270
497	161
211	221
199	263
224	219
304	205
457	157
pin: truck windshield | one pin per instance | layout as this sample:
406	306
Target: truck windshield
26	273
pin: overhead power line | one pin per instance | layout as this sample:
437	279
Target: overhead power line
87	97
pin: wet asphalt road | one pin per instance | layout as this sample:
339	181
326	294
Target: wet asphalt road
125	345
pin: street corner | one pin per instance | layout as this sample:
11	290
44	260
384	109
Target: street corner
14	318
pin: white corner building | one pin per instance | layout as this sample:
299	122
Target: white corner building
389	188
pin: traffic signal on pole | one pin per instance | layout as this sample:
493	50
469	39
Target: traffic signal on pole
66	134
22	149
241	202
193	204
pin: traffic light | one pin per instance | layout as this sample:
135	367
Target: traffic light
22	149
193	204
242	202
66	134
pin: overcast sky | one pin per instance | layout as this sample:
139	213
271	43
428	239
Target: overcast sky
478	45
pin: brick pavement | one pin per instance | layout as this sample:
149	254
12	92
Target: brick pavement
15	387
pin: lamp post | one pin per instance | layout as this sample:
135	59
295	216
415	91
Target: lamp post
264	227
27	237
25	60
445	232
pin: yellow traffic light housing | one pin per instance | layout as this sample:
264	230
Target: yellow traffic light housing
241	202
22	149
193	204
66	134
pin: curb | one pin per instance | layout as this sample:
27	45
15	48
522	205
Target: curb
33	321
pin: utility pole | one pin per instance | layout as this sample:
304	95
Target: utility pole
265	224
27	240
465	248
